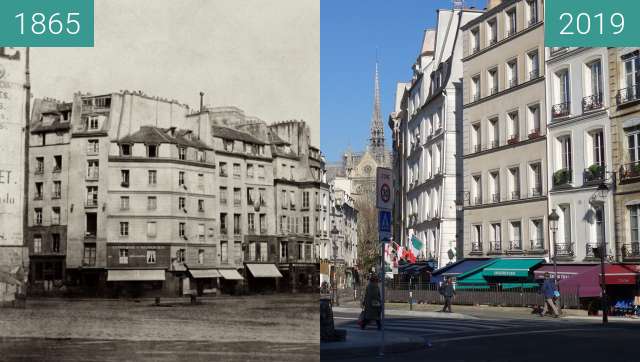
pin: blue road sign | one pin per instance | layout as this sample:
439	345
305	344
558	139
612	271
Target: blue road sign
384	221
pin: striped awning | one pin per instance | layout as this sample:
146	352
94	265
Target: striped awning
230	274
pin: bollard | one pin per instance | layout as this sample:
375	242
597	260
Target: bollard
410	300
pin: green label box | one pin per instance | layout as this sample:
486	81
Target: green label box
46	23
592	23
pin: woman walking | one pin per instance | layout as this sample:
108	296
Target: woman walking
372	303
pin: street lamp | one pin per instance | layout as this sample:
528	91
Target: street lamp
334	238
597	202
553	226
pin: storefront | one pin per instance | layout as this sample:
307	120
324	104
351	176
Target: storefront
207	281
509	273
136	282
457	268
230	281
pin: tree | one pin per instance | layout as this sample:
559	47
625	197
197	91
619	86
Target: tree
368	241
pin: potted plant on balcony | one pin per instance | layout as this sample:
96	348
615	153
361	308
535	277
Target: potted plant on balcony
513	140
594	172
535	133
561	177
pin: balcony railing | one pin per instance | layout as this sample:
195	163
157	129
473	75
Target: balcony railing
493	40
564	249
513	82
534	133
536	191
493	90
533	21
475	49
595	174
511	32
515	195
556	50
560	110
477	148
515	245
629	171
495	247
39	171
537	245
629	94
533	74
477	200
476	247
494	144
91	203
562	177
475	97
251	230
513	139
631	250
495	197
592	102
38	197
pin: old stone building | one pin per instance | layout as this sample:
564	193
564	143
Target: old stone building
149	195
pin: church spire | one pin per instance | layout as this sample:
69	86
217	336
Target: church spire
376	142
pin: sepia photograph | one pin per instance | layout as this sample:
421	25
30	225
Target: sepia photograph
163	194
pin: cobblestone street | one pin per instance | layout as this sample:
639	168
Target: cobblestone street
272	327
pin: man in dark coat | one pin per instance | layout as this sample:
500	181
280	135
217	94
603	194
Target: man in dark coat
447	292
372	303
549	291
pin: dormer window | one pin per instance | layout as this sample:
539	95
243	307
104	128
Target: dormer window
182	153
125	150
152	151
228	145
201	156
94	123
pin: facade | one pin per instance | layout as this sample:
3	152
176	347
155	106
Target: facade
432	164
624	111
578	149
398	123
504	145
132	193
46	234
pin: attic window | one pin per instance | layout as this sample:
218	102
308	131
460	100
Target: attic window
182	153
125	150
228	145
152	151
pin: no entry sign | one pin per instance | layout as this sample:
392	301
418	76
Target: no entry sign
384	188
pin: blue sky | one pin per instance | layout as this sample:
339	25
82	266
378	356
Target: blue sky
350	31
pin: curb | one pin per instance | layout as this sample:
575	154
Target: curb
346	351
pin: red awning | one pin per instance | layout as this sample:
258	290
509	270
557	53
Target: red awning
564	271
587	284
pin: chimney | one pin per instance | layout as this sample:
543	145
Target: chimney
493	3
201	101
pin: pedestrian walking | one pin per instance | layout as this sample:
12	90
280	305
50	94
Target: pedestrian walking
372	303
549	292
447	291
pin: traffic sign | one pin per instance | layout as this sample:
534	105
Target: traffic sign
384	188
384	220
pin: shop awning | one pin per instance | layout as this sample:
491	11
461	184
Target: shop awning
230	274
132	275
587	284
564	271
511	268
519	285
204	273
264	270
457	269
474	279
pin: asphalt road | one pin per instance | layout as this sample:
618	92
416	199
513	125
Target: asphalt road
507	340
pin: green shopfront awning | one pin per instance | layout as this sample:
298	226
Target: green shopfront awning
473	279
511	268
519	285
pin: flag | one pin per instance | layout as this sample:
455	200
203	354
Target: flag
416	244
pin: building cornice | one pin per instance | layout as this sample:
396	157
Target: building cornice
506	203
160	160
504	92
505	147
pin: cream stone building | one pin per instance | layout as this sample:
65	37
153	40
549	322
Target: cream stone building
504	144
432	164
579	150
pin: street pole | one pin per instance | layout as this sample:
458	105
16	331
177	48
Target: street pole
555	257
335	272
603	283
382	280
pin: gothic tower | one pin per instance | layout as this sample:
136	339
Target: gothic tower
376	142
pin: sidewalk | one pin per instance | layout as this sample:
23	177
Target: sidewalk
408	313
367	342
